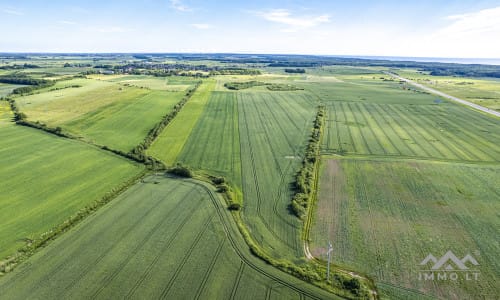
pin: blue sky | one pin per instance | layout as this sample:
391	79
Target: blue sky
391	28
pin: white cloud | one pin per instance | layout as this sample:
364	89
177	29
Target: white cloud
285	17
179	6
486	20
201	26
474	34
111	29
12	12
64	22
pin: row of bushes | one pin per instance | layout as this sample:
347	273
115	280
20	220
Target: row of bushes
26	251
242	85
140	149
304	179
270	86
235	71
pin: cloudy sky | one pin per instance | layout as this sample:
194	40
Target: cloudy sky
423	28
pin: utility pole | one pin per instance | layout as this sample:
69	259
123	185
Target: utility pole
329	254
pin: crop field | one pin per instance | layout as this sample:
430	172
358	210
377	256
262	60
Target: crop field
214	143
368	114
45	179
171	141
257	141
274	128
105	113
482	91
162	238
444	131
385	217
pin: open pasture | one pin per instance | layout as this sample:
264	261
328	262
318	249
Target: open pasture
384	217
161	239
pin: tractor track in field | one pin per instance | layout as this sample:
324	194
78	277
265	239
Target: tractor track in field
49	276
390	125
386	114
125	261
238	279
179	268
213	262
257	186
365	111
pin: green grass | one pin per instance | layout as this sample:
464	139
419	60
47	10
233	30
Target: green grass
101	112
385	217
45	179
162	238
169	144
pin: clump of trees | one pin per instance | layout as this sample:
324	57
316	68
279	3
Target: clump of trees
297	70
242	85
32	83
270	86
234	71
181	171
304	179
279	87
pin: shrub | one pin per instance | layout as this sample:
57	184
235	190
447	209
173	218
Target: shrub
234	206
181	171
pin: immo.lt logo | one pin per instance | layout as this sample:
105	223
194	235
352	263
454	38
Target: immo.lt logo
449	267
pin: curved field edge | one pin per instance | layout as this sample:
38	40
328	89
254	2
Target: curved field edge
380	209
130	262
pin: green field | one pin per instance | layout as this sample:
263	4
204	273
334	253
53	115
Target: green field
45	179
171	141
402	175
444	131
214	143
6	89
104	113
256	140
162	238
385	217
482	91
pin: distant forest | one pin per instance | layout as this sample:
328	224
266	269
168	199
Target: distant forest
292	63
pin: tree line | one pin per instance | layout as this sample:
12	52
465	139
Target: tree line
304	179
